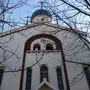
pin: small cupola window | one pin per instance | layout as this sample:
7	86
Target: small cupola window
36	47
49	46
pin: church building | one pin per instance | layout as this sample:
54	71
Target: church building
44	56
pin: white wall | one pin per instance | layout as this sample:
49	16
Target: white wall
69	42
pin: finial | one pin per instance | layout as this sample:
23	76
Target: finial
42	4
27	20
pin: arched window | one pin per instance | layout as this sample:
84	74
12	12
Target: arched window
28	78
59	78
49	46
1	75
43	73
87	74
36	47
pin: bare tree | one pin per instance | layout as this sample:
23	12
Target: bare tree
73	15
7	7
6	24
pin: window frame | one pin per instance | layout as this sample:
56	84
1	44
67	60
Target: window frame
36	45
49	46
86	70
60	85
1	74
42	76
28	78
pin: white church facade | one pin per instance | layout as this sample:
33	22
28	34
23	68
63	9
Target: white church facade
43	56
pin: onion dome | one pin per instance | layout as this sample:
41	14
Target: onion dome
41	16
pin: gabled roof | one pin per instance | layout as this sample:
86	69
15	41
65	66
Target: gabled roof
24	28
3	34
27	27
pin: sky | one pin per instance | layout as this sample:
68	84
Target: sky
27	10
19	15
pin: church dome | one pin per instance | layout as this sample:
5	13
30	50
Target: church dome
41	15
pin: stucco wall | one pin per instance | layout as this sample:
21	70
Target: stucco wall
74	49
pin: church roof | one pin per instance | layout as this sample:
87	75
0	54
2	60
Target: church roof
3	34
41	12
27	27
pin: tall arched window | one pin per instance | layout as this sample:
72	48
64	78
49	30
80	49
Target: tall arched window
59	78
28	78
49	46
43	73
87	74
1	75
36	47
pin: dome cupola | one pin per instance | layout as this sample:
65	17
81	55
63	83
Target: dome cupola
41	16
